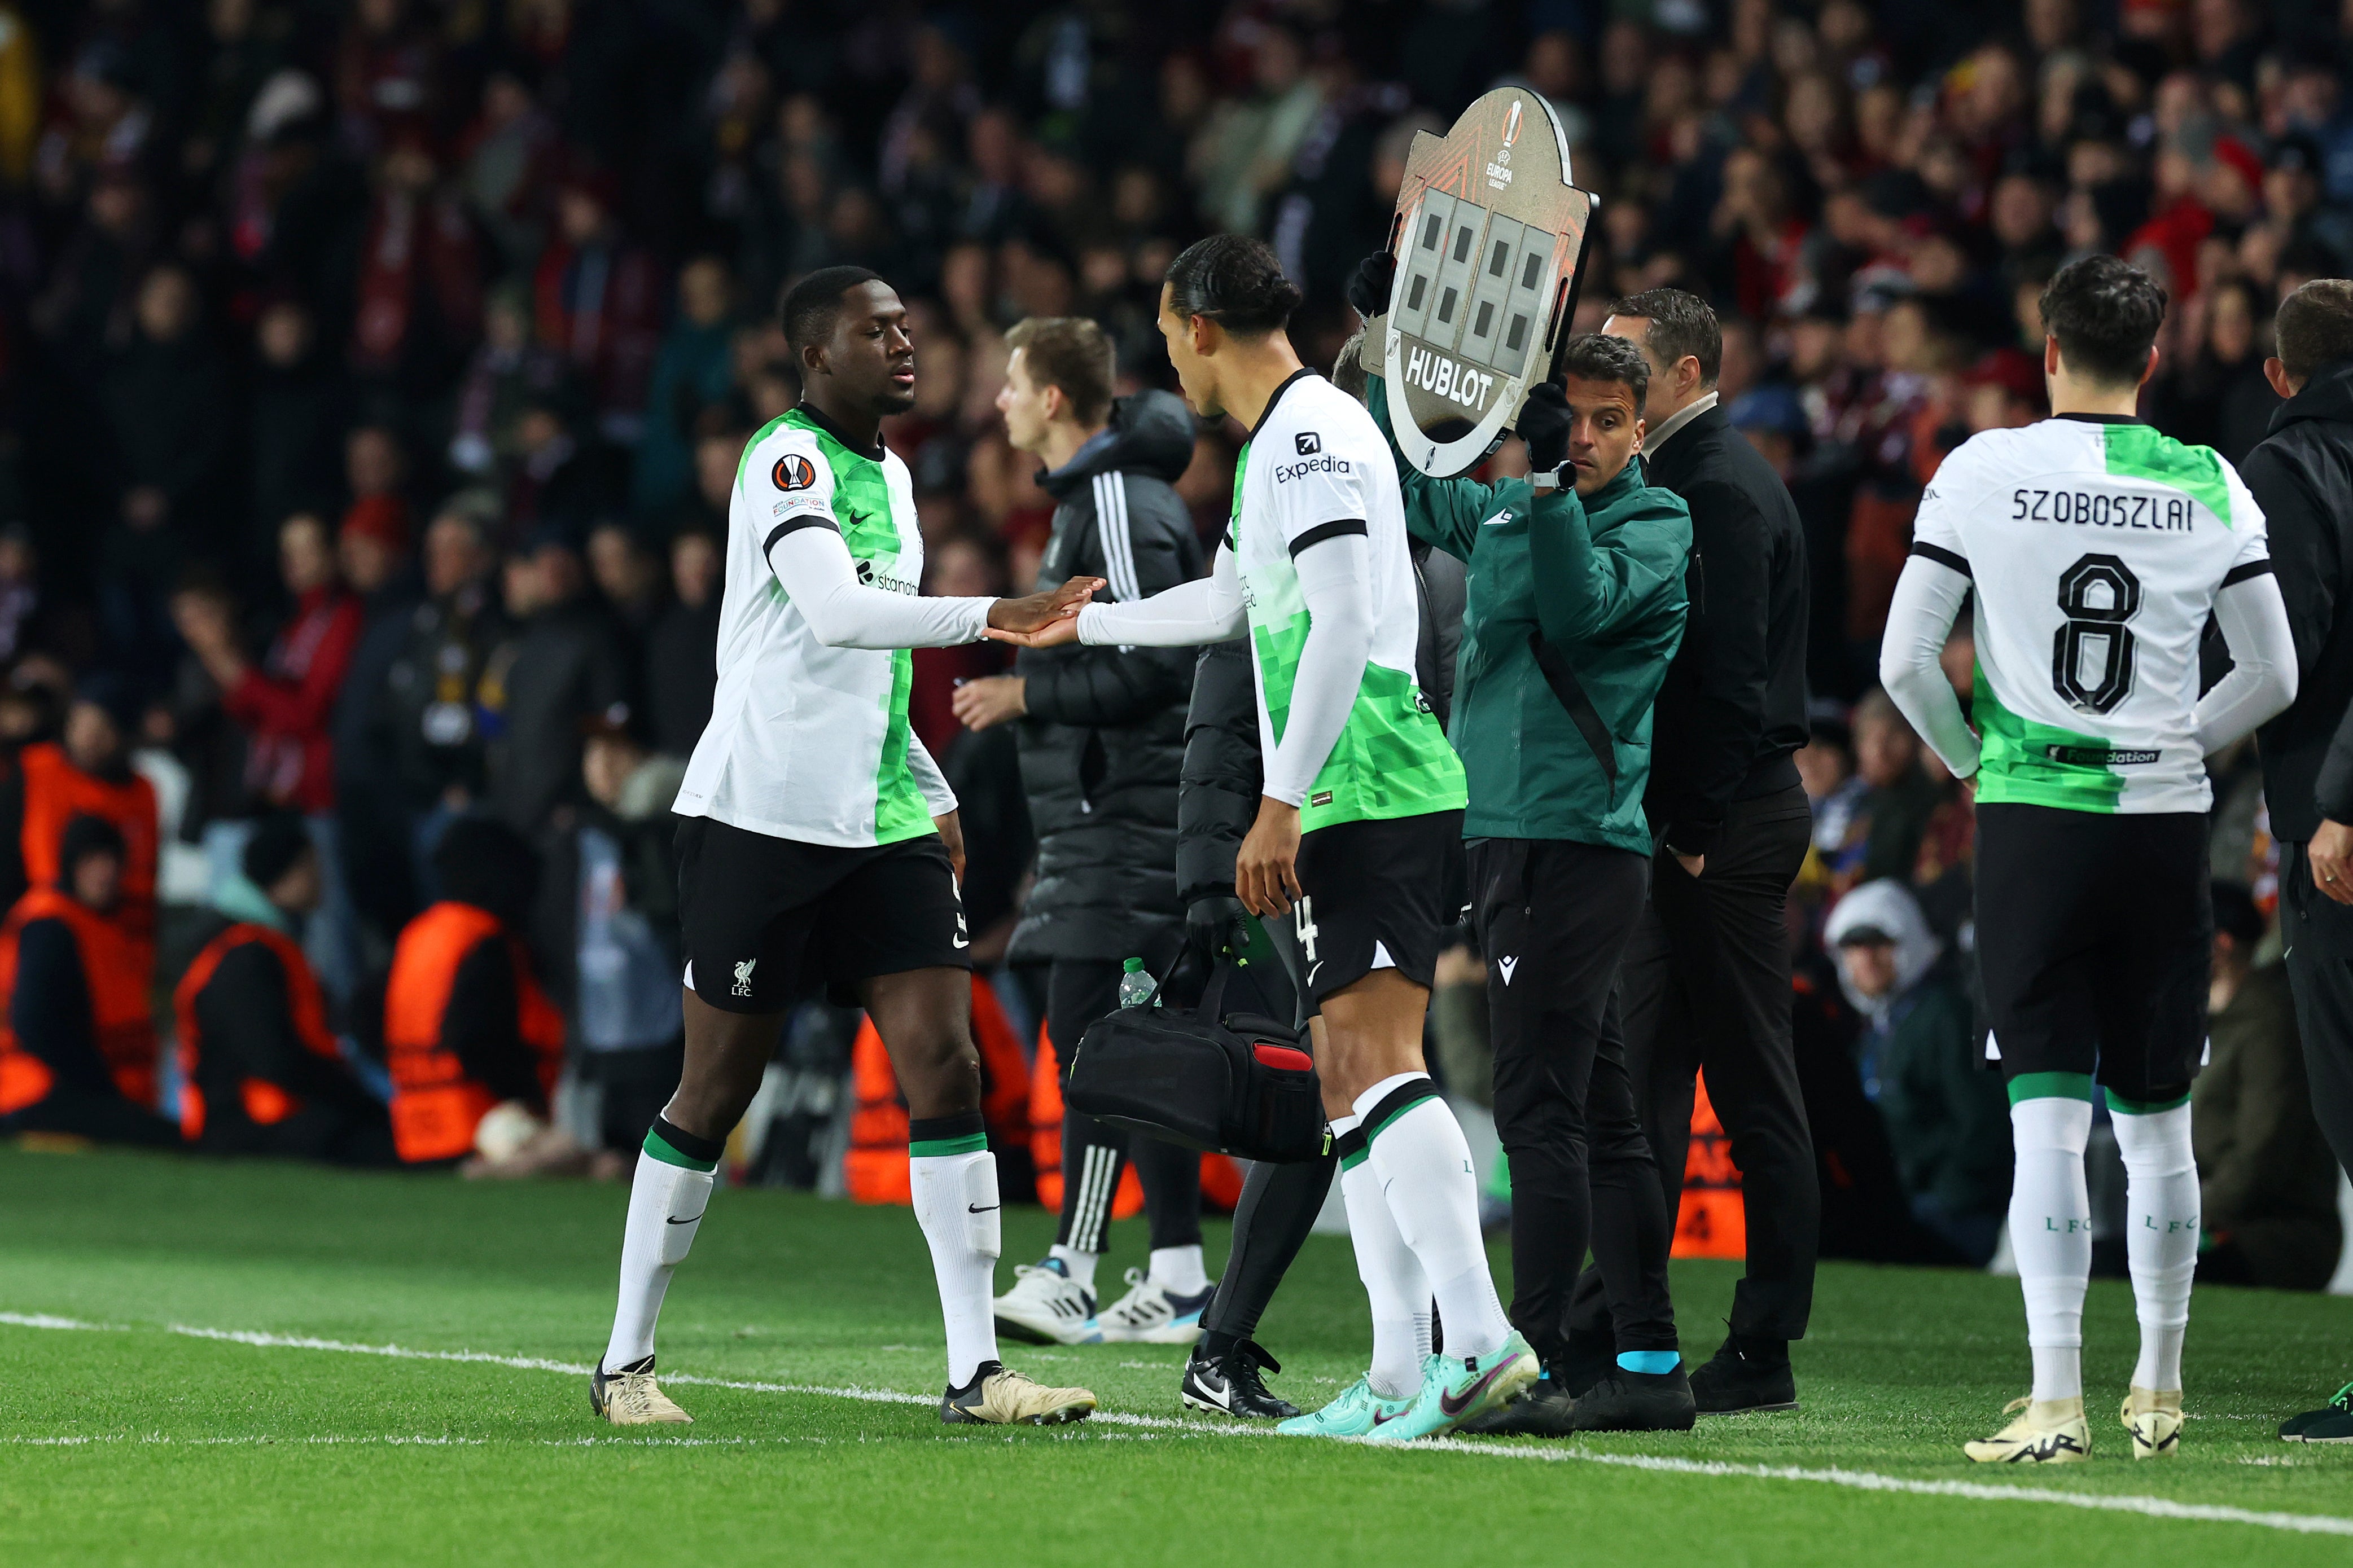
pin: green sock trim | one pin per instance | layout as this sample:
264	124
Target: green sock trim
659	1148
2118	1104
942	1147
1400	1110
2051	1086
1349	1161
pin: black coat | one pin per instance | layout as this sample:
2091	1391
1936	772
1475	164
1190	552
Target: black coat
1106	730
564	666
1734	706
2301	475
1218	798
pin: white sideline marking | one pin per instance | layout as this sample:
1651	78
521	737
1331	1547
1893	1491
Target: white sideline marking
44	1321
1856	1481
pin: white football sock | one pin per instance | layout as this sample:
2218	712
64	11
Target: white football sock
1079	1266
1426	1178
1178	1270
2051	1235
666	1204
1393	1280
956	1204
2161	1235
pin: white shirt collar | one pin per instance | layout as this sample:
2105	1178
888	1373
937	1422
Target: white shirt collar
1673	422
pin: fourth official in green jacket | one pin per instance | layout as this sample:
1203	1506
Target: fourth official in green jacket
1575	608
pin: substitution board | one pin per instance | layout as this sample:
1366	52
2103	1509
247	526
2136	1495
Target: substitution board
1490	240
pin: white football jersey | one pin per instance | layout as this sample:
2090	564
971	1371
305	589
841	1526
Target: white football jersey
1316	465
807	741
2096	546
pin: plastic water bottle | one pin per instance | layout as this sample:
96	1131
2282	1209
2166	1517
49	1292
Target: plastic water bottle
1135	984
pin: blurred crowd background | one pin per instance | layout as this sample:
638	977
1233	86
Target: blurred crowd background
373	373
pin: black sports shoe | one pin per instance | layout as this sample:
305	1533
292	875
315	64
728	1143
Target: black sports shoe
2331	1417
1543	1412
1636	1402
1742	1379
1229	1384
1591	1358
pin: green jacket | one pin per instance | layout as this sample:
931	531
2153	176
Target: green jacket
1597	585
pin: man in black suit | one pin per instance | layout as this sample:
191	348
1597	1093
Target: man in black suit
1706	980
2301	475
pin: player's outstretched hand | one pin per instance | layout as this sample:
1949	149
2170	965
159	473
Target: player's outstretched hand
1543	424
1037	612
1369	286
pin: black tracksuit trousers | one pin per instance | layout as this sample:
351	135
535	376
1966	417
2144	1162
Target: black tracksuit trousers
1552	918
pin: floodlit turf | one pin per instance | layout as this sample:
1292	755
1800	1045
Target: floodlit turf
133	1443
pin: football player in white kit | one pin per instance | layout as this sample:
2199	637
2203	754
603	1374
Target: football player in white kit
2096	549
821	843
1358	840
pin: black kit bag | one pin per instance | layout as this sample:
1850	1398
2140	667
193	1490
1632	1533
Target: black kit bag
1236	1083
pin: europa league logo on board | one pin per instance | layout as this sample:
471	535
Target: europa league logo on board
1490	240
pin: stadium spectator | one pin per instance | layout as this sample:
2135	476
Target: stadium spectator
432	687
261	1070
681	648
285	704
692	371
626	991
2267	1182
371	819
564	661
1948	1120
78	1056
301	407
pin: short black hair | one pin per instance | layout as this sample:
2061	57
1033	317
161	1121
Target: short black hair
813	305
1597	356
2105	312
2316	326
1236	281
1681	323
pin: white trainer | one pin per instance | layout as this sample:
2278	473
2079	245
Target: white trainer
2154	1420
631	1397
1047	1307
2046	1432
1150	1314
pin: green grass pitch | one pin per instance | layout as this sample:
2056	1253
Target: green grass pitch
136	1441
